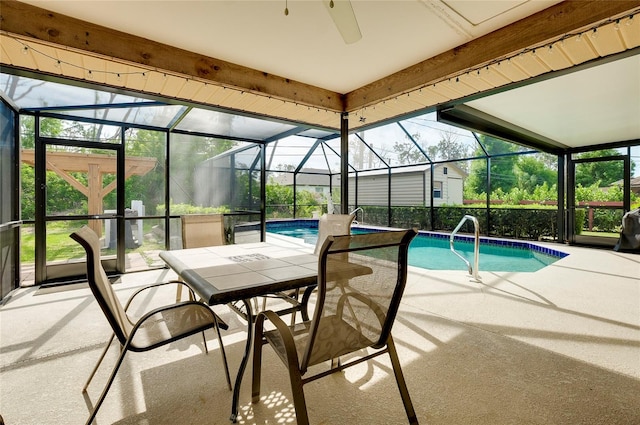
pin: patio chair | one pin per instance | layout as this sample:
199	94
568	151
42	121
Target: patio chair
332	225
361	279
200	230
157	327
328	225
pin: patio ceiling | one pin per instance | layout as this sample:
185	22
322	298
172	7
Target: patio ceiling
247	56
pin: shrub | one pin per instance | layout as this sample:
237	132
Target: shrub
182	209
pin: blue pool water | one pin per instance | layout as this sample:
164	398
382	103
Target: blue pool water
431	250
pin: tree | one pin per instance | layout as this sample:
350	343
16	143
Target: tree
149	188
502	168
286	167
604	173
15	91
532	172
188	154
448	147
59	198
28	202
247	189
360	156
408	153
278	199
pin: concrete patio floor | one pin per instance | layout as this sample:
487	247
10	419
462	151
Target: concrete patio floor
558	346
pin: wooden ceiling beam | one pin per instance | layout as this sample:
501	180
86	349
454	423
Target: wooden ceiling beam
553	22
33	22
566	17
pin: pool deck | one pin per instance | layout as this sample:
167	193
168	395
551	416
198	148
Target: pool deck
557	346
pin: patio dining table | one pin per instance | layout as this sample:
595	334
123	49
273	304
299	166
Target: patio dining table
237	273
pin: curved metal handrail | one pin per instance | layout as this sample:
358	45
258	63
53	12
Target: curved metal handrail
473	271
355	214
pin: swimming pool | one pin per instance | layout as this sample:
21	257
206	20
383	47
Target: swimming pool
430	250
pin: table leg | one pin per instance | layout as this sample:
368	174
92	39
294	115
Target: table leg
243	363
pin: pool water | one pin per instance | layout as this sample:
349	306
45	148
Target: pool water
431	250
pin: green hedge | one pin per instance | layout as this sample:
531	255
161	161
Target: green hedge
580	223
604	219
182	209
530	224
518	223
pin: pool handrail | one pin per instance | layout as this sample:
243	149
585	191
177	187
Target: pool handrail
473	271
354	213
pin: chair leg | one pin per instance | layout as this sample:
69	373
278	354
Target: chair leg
296	296
402	385
179	293
204	342
299	402
95	369
223	353
108	386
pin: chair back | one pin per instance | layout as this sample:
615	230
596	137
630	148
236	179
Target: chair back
100	284
200	230
332	225
361	279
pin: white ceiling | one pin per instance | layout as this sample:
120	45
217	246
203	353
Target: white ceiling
305	45
594	106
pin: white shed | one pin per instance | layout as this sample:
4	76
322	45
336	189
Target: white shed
410	186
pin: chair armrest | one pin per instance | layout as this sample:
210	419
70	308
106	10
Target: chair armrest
155	285
283	330
176	306
175	310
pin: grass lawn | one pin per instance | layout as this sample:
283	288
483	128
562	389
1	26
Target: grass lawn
601	234
61	247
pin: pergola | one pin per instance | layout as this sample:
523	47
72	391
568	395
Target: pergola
96	167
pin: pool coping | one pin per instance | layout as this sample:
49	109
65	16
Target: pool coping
485	240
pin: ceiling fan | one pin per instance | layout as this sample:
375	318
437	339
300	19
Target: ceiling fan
341	11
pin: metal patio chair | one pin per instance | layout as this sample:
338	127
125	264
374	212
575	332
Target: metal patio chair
328	225
361	279
200	230
332	225
155	328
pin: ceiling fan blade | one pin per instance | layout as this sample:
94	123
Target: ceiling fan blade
345	20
